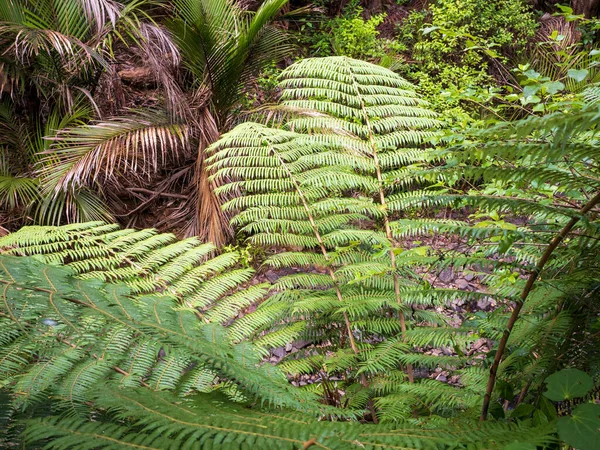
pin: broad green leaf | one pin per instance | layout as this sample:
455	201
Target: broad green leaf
568	384
578	74
582	429
553	87
530	90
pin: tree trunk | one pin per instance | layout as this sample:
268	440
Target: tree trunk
589	8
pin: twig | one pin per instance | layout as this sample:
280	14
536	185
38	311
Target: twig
309	443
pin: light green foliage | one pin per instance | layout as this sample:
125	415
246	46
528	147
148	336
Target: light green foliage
452	43
350	34
334	196
65	338
356	37
504	22
145	260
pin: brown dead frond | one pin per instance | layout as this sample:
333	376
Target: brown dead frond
140	143
163	59
101	12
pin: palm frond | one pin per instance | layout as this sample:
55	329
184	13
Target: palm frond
85	155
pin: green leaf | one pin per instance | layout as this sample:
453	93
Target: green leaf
539	108
547	407
582	429
522	411
530	90
568	384
530	99
578	75
552	87
565	9
428	30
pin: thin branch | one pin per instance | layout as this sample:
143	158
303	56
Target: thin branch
157	193
524	294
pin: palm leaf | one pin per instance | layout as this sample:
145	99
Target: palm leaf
93	153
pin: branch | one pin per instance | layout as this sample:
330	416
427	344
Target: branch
533	276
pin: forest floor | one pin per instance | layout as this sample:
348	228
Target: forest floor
467	279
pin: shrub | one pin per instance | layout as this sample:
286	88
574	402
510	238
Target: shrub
356	37
452	41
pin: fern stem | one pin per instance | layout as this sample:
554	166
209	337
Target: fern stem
336	285
533	276
324	251
386	220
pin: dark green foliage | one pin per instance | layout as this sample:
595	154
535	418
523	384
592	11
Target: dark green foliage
542	170
581	428
568	384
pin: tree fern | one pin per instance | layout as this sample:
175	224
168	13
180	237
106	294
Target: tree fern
212	422
62	336
145	260
289	189
328	149
327	195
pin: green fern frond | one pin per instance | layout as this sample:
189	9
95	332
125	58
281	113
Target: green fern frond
68	351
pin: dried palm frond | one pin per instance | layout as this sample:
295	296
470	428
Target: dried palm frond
100	12
163	57
88	154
